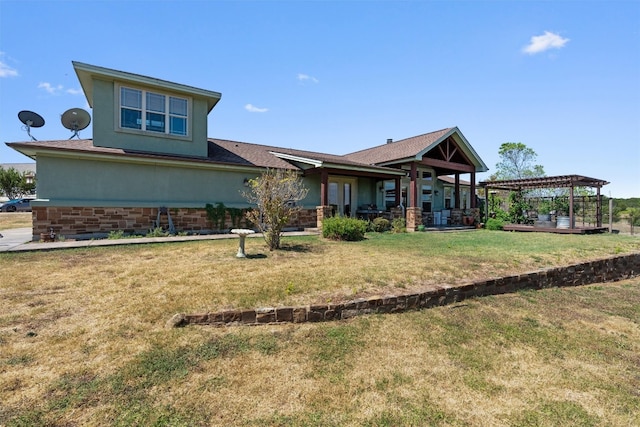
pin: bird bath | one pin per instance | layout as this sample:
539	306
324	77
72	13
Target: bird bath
242	233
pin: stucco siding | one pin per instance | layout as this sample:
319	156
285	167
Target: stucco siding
82	182
107	134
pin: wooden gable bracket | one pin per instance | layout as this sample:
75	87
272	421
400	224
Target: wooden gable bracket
451	149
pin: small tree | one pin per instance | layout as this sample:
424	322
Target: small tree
276	194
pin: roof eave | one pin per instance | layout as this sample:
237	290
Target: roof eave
87	72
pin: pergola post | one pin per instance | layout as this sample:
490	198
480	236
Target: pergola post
486	203
571	219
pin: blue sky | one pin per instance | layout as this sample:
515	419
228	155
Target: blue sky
562	77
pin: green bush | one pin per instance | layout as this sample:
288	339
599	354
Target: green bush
341	228
494	224
399	225
116	234
380	225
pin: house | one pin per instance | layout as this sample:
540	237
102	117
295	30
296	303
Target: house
150	150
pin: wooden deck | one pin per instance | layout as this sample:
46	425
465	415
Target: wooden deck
577	230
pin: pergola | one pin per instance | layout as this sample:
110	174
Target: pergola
562	181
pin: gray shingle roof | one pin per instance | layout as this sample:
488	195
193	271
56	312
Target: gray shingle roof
397	150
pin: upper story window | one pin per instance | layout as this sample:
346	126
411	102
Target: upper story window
153	112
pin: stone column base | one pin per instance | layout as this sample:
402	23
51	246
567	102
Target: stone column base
322	213
414	218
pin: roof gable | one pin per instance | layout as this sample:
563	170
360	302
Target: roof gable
399	150
448	145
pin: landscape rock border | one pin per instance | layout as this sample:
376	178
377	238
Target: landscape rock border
600	271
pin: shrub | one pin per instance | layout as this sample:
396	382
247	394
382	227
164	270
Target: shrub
216	214
116	234
341	228
399	225
157	232
276	194
494	224
380	224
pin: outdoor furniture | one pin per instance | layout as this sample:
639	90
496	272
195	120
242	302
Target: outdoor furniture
445	217
427	218
370	212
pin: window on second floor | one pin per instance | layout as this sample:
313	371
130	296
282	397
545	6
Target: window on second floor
153	112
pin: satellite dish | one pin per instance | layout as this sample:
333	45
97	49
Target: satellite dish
75	120
30	120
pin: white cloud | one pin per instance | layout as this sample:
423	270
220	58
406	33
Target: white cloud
253	109
5	70
74	91
306	77
53	90
544	42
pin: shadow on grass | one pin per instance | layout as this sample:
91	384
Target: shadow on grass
301	248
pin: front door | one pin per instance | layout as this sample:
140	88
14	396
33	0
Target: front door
342	196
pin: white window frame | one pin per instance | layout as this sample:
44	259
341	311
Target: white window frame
167	113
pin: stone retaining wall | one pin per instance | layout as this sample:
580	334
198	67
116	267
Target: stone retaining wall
605	270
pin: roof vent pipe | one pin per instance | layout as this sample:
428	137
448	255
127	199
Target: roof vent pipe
389	140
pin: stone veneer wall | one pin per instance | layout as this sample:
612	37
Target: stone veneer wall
75	221
605	270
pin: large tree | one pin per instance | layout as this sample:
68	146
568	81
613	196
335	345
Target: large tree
517	161
276	194
13	184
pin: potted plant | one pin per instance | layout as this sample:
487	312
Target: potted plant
544	211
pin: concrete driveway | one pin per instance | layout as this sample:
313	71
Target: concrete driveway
14	237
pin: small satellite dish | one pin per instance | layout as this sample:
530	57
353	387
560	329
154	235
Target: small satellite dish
30	120
75	120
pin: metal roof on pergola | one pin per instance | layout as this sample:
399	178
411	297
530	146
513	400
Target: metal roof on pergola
561	181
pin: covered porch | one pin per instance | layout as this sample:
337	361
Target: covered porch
418	179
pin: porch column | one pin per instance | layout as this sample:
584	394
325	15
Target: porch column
413	199
324	188
457	190
398	192
324	210
473	203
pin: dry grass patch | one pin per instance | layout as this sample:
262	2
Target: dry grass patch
10	220
82	336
